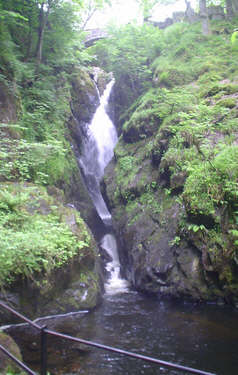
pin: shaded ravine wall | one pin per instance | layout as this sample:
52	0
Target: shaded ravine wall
78	284
165	252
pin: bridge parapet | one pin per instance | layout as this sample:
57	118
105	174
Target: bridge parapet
93	35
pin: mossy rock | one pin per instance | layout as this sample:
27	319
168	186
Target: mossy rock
149	112
228	89
6	364
228	102
101	78
178	180
56	253
84	96
143	124
174	77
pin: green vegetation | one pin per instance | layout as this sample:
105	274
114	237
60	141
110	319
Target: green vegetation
128	53
41	52
34	233
180	134
176	98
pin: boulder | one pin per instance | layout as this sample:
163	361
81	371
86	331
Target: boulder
60	352
6	364
72	284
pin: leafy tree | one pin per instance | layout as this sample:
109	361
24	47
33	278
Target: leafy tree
89	8
45	7
37	27
147	6
234	40
128	53
9	64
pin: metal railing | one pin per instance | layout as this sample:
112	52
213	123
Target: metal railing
44	332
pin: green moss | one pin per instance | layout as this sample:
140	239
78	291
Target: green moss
126	163
227	102
220	88
38	234
183	138
208	77
7	366
83	87
174	77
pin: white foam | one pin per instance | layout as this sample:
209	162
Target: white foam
115	284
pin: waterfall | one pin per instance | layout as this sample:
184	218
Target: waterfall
97	152
115	284
98	146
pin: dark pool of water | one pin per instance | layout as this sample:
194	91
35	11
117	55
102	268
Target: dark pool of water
198	336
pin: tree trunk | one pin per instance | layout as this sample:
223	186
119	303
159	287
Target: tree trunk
229	9
189	12
88	18
29	40
204	17
235	6
43	17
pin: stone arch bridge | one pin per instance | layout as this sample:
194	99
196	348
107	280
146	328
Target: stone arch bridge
93	35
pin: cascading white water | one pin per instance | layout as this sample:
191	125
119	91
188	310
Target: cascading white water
97	152
102	138
115	284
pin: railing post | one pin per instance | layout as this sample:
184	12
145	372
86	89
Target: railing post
43	351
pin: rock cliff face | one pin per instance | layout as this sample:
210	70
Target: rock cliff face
147	220
85	91
71	285
74	284
170	246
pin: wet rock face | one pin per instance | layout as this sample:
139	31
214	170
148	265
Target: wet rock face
70	285
84	96
155	263
85	100
168	247
71	288
60	352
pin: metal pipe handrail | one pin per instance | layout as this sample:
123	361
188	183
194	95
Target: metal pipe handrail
44	331
20	364
20	315
129	354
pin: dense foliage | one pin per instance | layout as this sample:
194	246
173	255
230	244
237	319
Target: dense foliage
128	54
40	44
179	140
176	101
34	235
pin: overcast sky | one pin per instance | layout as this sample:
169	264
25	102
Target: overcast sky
124	11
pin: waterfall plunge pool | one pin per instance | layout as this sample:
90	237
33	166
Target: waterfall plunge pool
199	336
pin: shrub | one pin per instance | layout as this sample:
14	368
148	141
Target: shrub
34	238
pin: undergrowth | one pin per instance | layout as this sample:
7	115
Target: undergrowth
34	235
187	123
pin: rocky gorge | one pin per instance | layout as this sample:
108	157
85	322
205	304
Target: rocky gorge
168	184
74	284
89	250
